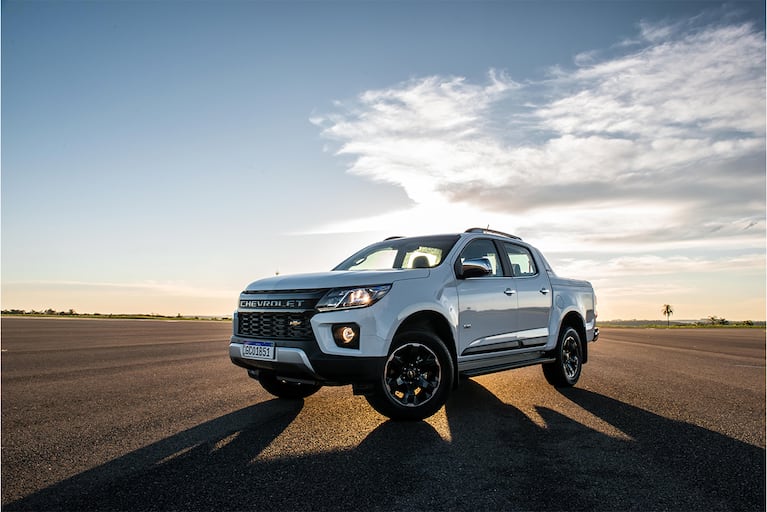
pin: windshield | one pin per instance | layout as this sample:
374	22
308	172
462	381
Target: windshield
401	253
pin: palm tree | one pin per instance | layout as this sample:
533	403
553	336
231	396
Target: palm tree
667	312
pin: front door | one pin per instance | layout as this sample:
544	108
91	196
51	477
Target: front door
487	305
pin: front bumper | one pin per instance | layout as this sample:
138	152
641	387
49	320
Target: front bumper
304	361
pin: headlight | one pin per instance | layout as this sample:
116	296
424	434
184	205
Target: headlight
347	298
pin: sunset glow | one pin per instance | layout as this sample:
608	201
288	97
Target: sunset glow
163	175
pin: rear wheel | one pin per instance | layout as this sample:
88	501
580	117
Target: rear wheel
566	370
286	389
416	379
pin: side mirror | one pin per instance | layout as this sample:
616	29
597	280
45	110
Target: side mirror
479	267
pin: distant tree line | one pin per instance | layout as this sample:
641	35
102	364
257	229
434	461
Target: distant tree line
49	311
712	321
715	320
73	313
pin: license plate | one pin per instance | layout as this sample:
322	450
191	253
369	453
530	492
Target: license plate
263	350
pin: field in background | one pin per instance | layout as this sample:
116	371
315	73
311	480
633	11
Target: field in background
684	324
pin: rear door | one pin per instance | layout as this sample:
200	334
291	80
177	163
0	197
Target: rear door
533	294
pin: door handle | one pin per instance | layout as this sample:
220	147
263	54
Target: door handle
509	292
544	290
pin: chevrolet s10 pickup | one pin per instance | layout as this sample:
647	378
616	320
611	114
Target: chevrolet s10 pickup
402	320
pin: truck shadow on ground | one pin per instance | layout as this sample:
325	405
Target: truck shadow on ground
497	459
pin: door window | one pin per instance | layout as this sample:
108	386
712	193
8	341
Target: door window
483	248
522	262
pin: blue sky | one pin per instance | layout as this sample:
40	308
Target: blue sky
158	156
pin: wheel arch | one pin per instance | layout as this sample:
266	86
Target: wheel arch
575	320
434	322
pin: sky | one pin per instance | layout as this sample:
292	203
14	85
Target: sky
158	156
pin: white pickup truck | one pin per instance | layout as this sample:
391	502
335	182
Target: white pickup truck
403	319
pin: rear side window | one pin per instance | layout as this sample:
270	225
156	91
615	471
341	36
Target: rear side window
522	262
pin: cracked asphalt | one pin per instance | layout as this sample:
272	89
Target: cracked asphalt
151	415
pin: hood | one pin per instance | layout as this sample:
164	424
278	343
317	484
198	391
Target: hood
336	279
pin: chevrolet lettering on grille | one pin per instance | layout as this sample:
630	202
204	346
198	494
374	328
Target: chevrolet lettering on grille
272	303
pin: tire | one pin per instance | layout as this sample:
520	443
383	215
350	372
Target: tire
284	389
416	379
566	370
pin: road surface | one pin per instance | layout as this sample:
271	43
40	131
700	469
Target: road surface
151	415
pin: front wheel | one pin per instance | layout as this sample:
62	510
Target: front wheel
566	370
416	379
285	389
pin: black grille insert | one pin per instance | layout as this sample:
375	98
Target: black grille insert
278	326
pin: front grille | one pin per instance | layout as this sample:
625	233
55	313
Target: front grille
278	326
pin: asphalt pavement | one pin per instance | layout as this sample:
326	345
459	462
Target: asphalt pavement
152	415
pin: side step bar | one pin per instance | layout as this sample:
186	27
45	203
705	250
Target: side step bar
475	372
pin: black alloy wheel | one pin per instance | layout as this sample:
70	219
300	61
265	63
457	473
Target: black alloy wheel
566	370
416	378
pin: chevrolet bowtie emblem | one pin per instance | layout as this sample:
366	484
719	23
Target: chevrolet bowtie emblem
294	323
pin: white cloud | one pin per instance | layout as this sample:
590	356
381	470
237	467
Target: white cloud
654	32
672	131
653	265
421	134
693	85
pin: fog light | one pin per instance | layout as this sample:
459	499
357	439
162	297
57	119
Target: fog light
347	335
